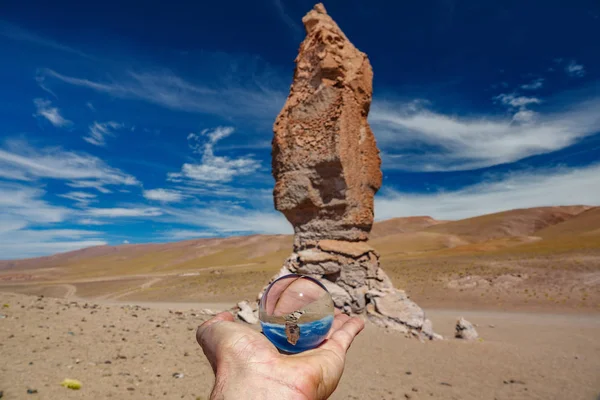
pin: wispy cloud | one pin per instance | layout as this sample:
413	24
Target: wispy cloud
533	85
83	199
214	168
575	70
98	131
16	33
25	203
289	21
516	101
182	234
231	220
89	185
415	138
254	99
45	110
121	212
34	243
551	187
23	207
163	195
90	221
80	169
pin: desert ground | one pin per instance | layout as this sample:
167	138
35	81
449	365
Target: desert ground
122	319
134	352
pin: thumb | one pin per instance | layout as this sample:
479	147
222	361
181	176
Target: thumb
208	336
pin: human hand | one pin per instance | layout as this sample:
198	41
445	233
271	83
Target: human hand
247	366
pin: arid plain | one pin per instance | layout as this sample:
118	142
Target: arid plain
529	279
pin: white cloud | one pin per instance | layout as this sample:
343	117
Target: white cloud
83	199
35	243
415	138
125	241
516	101
16	33
524	116
256	98
45	110
214	168
163	195
25	204
533	85
98	132
80	169
575	70
90	221
230	220
23	207
182	234
120	212
561	186
289	21
89	185
90	106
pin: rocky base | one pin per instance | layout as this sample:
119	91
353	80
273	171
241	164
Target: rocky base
350	271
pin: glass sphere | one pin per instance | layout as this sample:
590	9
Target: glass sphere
296	313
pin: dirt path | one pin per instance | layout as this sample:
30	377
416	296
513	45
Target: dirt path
127	292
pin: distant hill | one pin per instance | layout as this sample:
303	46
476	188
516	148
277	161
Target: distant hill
399	237
586	223
402	225
513	223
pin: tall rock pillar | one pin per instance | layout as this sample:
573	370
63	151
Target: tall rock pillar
327	170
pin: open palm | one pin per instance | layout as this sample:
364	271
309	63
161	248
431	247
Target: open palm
246	362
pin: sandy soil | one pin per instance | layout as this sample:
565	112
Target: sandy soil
131	352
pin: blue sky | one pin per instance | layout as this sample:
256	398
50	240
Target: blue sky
131	122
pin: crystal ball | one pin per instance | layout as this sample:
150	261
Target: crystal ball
296	313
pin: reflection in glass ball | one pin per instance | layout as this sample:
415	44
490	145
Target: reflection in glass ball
296	313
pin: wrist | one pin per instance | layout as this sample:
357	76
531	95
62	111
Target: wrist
247	385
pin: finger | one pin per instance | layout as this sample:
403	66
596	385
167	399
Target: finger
338	322
347	332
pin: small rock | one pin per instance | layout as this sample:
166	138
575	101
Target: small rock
511	381
131	389
408	373
465	330
492	325
445	384
32	391
178	375
246	314
107	362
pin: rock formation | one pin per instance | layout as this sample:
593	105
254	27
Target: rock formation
465	330
327	170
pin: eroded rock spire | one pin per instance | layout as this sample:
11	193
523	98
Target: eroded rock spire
327	170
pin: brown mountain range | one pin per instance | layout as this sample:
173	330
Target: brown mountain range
557	247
